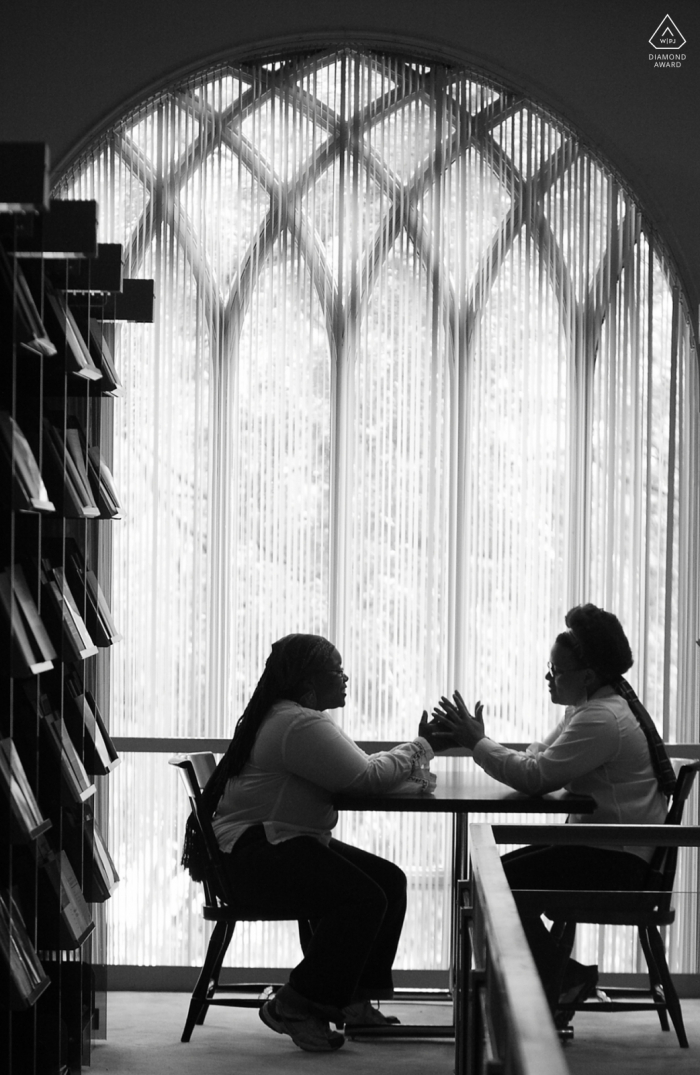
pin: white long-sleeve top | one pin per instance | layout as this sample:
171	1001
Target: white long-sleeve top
299	759
597	749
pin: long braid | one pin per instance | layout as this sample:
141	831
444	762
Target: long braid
292	661
600	643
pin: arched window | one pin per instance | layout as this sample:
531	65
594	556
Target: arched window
420	379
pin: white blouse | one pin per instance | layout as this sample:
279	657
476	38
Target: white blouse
299	759
597	749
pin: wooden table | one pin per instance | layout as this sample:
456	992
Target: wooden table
462	790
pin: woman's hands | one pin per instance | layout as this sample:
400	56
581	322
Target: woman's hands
434	734
454	720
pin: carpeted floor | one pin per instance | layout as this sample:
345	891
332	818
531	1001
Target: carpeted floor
143	1038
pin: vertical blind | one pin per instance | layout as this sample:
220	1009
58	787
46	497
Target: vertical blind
420	379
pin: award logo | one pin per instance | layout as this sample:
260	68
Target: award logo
667	42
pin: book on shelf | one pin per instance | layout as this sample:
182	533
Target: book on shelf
72	638
66	474
23	972
103	487
22	631
18	309
97	612
26	820
88	729
64	920
27	491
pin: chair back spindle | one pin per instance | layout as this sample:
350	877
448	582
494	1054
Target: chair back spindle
662	868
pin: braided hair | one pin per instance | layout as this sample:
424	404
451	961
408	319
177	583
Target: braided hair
293	662
597	640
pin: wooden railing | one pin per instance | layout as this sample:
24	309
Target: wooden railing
616	835
504	1025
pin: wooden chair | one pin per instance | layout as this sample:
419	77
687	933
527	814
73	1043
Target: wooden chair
220	906
648	911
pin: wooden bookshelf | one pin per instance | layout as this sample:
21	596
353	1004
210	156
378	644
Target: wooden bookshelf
60	294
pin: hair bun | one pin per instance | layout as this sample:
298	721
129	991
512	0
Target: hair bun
600	640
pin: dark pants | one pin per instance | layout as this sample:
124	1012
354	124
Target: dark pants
355	902
577	868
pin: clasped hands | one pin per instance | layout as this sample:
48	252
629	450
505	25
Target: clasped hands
453	725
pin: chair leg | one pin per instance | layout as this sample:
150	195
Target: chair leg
658	951
216	969
564	933
208	976
655	985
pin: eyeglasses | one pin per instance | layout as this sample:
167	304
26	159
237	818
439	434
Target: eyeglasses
553	671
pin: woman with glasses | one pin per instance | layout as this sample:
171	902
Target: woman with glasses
271	802
605	746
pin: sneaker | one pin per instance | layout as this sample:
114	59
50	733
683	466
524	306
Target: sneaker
306	1030
362	1013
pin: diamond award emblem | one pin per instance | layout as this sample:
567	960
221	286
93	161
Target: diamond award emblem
667	35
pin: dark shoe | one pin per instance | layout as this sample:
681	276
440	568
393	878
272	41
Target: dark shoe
306	1030
576	994
362	1013
584	988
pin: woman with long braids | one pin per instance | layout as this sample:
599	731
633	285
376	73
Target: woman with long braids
605	746
270	800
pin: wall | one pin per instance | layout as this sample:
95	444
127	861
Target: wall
67	66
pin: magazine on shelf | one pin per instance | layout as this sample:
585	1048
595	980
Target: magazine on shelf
88	729
86	842
30	612
60	892
101	351
60	579
75	778
76	449
18	622
78	358
28	492
59	755
67	478
103	487
97	612
24	973
103	862
17	304
26	819
75	641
